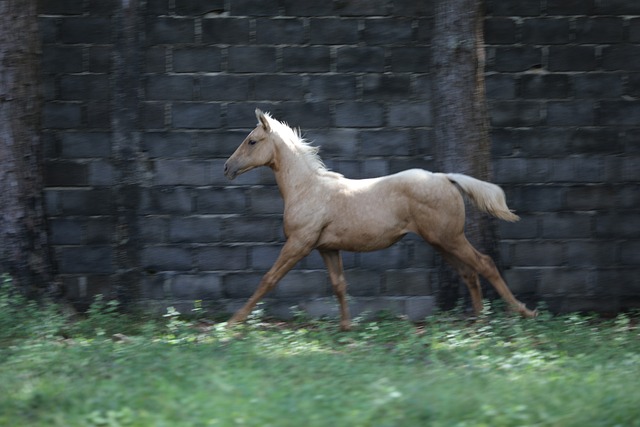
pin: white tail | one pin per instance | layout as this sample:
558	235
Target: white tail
486	196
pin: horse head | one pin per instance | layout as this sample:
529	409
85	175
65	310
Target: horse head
257	149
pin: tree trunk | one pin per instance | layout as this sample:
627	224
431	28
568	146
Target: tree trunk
126	150
24	250
461	124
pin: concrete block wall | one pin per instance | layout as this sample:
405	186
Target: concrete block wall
563	87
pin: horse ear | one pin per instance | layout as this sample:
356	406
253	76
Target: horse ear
262	118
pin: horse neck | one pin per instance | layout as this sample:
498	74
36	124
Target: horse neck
294	173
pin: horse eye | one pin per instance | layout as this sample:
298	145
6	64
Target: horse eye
252	142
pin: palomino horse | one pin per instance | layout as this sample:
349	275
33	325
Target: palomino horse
325	211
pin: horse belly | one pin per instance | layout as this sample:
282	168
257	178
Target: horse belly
360	236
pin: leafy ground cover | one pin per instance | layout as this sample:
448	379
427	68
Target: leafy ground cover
109	369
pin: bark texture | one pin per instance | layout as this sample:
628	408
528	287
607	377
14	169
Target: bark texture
461	125
24	250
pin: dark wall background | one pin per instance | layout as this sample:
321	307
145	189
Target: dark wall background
563	82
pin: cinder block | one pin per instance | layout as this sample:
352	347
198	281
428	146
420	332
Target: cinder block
263	200
547	86
360	8
617	8
166	258
152	115
84	144
385	142
66	231
570	7
280	31
360	59
196	287
306	115
522	8
332	86
181	172
83	201
572	58
196	115
547	31
410	59
170	30
198	7
240	285
409	282
406	114
222	258
85	30
255	8
538	253
62	115
166	200
630	252
221	200
515	113
85	259
333	31
225	30
418	308
566	226
84	87
62	59
101	172
359	114
613	113
598	85
195	229
224	87
310	59
196	59
167	144
252	229
278	87
100	58
386	87
621	57
588	254
515	58
252	59
396	256
100	231
335	142
217	144
597	30
500	30
590	197
298	8
634	30
303	284
500	86
384	31
61	7
66	174
163	87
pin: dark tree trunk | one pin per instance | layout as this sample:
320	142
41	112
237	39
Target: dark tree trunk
24	250
461	124
126	150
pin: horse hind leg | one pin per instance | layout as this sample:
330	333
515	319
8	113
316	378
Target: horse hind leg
470	278
333	261
460	249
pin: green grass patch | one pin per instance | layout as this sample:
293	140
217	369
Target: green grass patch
497	371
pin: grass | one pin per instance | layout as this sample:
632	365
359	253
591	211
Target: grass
111	370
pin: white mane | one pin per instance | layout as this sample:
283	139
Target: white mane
294	139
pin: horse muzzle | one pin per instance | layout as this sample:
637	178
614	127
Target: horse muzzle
230	171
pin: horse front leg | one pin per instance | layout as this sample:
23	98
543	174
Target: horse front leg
333	261
292	252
